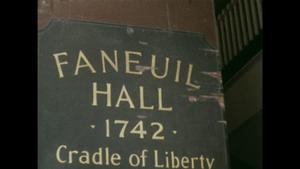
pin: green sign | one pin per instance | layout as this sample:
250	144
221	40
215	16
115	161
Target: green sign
126	97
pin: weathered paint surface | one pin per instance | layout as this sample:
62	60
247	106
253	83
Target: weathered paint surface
194	126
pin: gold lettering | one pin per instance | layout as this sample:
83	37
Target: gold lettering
193	161
202	163
210	163
99	155
59	63
142	100
177	71
167	159
71	156
175	160
105	57
160	102
156	161
106	92
153	67
84	158
127	98
81	56
115	159
107	156
129	61
189	77
185	162
58	153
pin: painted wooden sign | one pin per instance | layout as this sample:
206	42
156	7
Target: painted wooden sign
123	97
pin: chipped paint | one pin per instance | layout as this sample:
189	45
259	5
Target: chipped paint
192	89
210	50
216	75
218	97
223	122
193	99
221	102
129	30
143	43
214	96
141	116
142	68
